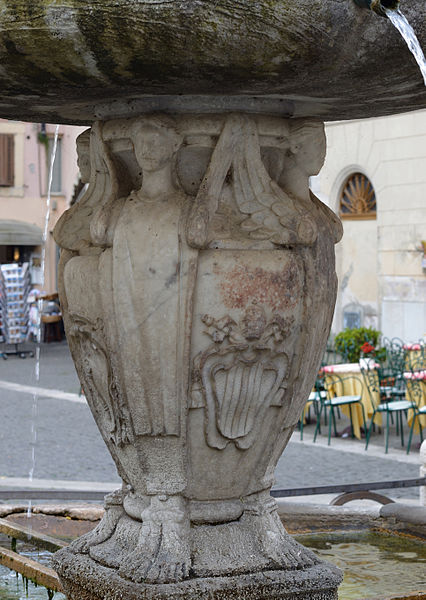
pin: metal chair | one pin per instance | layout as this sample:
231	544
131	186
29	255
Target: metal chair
389	407
416	391
315	400
336	397
418	412
395	354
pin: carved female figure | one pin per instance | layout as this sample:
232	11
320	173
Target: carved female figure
138	250
152	283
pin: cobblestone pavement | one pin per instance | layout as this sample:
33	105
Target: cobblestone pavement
69	446
308	464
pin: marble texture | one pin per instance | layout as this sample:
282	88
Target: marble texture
197	284
107	59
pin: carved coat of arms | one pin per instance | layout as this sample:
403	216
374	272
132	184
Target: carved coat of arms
240	375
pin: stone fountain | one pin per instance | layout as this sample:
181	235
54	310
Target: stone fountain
197	273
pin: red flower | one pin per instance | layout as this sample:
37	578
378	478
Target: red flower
366	348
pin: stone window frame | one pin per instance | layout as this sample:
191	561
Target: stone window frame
357	183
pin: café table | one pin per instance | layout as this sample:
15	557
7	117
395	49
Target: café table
353	385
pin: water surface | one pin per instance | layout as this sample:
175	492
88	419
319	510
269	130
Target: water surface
375	564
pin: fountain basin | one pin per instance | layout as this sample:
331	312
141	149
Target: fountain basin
75	62
376	564
371	546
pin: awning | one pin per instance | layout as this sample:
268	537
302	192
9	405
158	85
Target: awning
19	233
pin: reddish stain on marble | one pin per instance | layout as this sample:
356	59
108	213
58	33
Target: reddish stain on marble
242	285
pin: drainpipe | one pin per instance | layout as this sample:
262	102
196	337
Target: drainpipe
379	6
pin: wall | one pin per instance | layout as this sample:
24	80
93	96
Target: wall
26	200
379	262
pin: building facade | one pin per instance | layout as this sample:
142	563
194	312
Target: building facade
25	151
374	177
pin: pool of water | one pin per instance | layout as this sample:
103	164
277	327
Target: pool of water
375	564
14	587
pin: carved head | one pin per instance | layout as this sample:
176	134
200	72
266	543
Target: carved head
307	144
155	142
83	153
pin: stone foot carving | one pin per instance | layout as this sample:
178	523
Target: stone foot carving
162	554
113	511
114	551
109	553
277	545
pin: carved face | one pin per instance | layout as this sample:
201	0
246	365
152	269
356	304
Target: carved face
154	147
83	154
309	144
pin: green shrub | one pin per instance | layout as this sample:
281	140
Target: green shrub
348	343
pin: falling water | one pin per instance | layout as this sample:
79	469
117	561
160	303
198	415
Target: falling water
407	32
40	306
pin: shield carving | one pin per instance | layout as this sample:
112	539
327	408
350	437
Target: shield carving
241	375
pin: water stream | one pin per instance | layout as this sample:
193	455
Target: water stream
400	22
34	409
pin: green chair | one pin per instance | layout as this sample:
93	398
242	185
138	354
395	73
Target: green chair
315	400
389	407
418	412
416	390
338	397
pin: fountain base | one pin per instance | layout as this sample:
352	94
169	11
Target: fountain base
84	579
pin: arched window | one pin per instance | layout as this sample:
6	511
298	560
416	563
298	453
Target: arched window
358	200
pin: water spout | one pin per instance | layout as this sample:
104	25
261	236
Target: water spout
390	9
381	7
400	22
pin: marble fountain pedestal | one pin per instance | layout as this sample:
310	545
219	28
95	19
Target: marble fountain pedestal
197	285
197	277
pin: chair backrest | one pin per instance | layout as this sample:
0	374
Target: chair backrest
372	383
337	385
416	381
332	385
396	355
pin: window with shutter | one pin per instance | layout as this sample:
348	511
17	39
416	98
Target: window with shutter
7	160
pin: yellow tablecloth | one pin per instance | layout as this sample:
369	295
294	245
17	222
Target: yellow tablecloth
349	377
